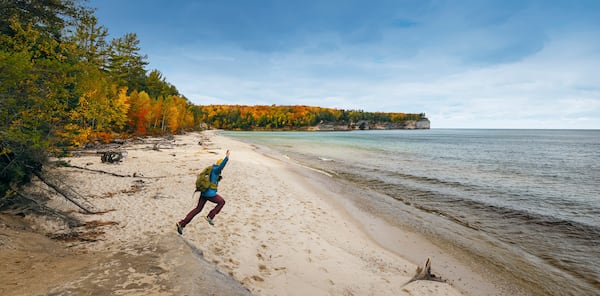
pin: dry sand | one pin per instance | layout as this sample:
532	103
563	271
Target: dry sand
278	234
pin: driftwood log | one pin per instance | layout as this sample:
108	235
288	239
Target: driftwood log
164	144
112	156
424	274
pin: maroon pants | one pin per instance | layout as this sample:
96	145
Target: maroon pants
215	199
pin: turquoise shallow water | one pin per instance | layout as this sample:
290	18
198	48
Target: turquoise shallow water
534	194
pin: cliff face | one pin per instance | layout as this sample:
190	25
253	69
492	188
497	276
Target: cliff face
423	124
408	124
366	125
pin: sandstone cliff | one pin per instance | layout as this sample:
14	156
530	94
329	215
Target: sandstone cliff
367	125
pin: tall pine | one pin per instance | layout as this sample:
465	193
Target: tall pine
126	63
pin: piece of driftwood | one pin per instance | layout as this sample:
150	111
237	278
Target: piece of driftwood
424	274
112	156
164	144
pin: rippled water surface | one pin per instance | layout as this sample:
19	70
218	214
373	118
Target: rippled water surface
534	192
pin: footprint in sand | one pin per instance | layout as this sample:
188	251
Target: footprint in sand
260	256
218	251
233	261
255	278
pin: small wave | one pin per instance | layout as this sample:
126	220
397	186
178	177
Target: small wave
325	159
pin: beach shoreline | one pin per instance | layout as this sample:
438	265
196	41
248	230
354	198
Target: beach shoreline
284	229
373	214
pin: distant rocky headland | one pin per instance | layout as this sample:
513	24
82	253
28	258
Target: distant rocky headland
423	123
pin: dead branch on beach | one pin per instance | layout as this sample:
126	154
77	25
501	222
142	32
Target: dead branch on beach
424	274
135	175
98	171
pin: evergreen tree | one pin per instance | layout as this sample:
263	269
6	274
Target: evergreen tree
157	86
50	17
91	42
126	63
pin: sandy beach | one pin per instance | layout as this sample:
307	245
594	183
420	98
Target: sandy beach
280	233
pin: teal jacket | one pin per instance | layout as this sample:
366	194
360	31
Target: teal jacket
214	178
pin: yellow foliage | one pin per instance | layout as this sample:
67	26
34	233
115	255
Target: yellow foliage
76	135
5	150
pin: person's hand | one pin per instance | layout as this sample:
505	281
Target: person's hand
227	153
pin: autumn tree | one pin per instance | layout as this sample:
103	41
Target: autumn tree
139	112
36	81
178	114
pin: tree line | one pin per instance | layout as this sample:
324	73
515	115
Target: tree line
237	117
64	83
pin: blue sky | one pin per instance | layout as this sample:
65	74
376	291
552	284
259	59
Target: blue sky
466	64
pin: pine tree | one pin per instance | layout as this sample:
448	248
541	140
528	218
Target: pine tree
91	42
126	63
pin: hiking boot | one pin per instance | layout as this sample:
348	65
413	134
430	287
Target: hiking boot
179	228
210	220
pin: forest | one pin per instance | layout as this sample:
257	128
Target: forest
64	83
274	117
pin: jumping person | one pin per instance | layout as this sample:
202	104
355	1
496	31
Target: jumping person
209	194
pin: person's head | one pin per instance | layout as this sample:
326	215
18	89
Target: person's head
219	161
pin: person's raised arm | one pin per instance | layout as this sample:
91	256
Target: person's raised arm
224	162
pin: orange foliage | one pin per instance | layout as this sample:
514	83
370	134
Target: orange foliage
139	111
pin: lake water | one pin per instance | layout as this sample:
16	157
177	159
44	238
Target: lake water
528	201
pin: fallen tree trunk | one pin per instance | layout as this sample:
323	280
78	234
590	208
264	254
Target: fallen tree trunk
63	193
